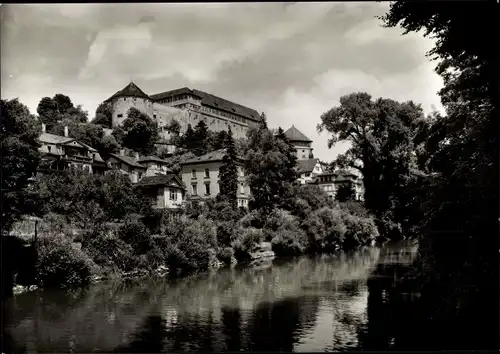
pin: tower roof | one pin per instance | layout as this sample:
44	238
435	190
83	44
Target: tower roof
131	90
293	134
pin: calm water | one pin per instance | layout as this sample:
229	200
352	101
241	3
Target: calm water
326	303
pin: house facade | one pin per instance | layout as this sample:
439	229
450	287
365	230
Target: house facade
167	191
201	178
308	169
63	152
127	165
186	106
330	182
154	165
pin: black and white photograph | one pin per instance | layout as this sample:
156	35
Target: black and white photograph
249	177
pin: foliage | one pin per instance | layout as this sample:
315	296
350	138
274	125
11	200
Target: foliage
345	193
140	132
306	198
60	263
325	230
103	115
189	243
287	238
228	174
57	108
457	203
246	241
359	230
136	235
382	135
19	155
225	255
270	167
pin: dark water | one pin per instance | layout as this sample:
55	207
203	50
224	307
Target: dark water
326	303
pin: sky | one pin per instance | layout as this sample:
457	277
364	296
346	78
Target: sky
292	61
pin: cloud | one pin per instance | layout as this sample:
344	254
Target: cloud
293	62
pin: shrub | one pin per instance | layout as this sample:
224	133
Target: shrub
359	230
135	233
325	230
189	243
248	220
225	255
289	242
111	252
61	264
246	241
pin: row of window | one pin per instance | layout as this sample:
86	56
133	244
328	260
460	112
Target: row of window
194	189
207	173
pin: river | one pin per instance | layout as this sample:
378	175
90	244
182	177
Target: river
324	303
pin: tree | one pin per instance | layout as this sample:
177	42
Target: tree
47	111
270	166
228	173
20	157
104	115
188	140
381	134
140	132
459	200
217	140
345	193
201	138
62	102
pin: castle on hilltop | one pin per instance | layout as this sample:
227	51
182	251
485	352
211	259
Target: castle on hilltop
186	106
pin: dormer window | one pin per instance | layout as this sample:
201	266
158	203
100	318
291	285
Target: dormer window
120	115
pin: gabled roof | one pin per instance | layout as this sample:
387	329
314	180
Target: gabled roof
213	101
212	156
293	134
304	166
161	180
128	160
151	158
131	90
54	139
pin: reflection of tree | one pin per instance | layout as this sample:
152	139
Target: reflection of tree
231	322
150	339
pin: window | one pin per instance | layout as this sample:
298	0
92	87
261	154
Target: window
49	147
308	174
194	189
242	172
154	115
140	175
193	174
242	188
173	195
207	188
120	115
207	173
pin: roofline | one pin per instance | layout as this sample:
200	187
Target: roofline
119	157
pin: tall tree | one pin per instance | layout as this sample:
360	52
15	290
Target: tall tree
47	111
270	168
188	139
140	132
201	138
381	134
103	115
460	201
229	173
20	157
62	102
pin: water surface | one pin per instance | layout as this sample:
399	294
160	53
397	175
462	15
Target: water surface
323	303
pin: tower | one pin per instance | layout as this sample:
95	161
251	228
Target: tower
130	97
301	143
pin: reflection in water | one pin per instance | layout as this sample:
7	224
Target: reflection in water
308	304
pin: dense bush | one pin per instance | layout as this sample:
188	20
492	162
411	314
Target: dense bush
136	234
283	230
225	255
325	230
61	264
359	230
111	253
246	241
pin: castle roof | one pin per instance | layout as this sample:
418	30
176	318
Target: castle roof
213	101
131	90
293	134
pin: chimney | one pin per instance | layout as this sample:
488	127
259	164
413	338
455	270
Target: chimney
136	156
122	152
66	132
44	128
